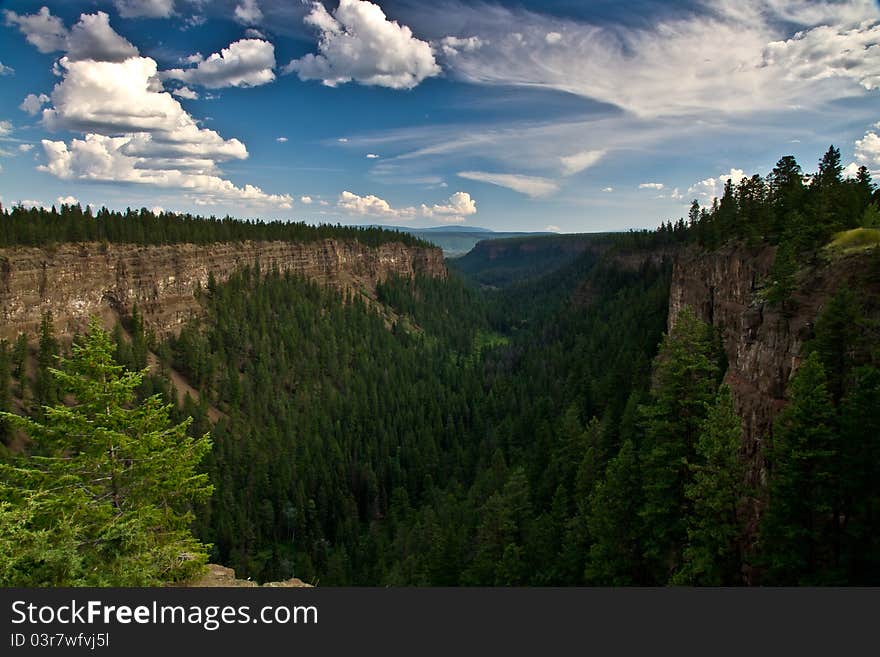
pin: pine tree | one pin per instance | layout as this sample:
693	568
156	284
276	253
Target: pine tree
686	373
614	525
111	495
713	555
803	483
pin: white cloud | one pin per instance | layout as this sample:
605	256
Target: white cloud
66	200
113	98
711	188
372	156
305	200
248	12
675	195
93	38
90	38
157	209
453	210
30	203
144	8
5	128
867	152
25	148
357	42
101	158
553	228
572	164
244	63
370	205
532	186
829	52
343	140
136	132
42	30
33	103
281	140
459	206
186	93
608	189
651	185
6	70
452	45
731	58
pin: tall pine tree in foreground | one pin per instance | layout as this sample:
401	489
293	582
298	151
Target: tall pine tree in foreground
685	380
108	500
803	484
713	553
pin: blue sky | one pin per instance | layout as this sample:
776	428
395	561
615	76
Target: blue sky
562	115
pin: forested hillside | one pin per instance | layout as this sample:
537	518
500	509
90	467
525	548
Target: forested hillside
555	432
37	226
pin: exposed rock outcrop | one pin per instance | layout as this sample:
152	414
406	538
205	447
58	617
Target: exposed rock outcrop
75	281
221	576
763	344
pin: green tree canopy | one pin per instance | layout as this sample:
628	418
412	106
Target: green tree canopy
107	497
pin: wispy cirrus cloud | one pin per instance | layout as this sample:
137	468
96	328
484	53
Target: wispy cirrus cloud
532	186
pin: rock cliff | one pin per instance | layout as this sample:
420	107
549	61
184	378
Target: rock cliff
763	345
75	281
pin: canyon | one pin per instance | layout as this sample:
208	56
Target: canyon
76	281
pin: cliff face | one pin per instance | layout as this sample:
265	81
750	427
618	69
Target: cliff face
763	345
76	281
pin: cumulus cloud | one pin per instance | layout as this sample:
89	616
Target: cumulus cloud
711	188
305	200
552	228
553	37
370	205
572	164
42	30
459	206
281	140
134	130
186	93
651	185
33	103
607	189
67	200
244	63
6	70
532	186
248	12
93	38
454	210
90	38
5	128
452	45
867	152
101	158
144	8
25	148
358	43
372	156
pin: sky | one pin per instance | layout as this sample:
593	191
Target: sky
560	115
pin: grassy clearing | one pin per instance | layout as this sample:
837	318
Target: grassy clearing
855	239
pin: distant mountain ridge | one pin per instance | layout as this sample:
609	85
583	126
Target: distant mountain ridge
458	240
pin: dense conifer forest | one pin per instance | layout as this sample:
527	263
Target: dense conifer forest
549	433
37	226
